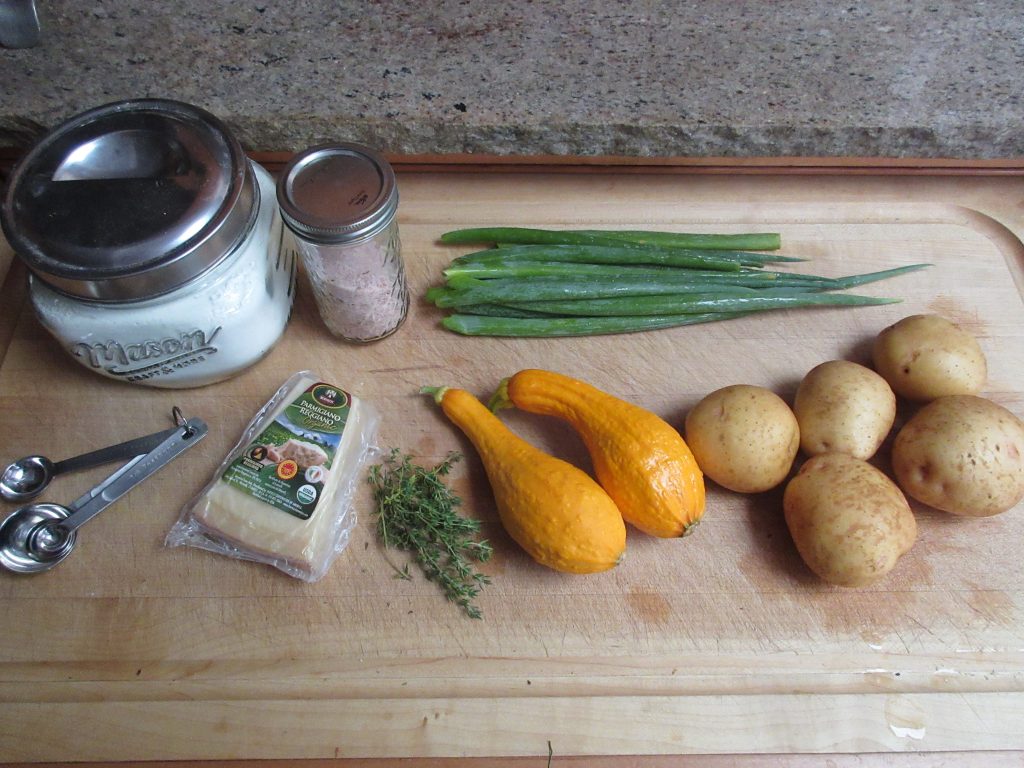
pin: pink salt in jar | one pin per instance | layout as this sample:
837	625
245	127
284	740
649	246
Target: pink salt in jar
340	201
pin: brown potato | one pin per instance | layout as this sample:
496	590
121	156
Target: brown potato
926	356
844	407
850	522
962	454
743	437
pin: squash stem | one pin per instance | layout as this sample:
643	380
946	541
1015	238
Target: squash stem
435	392
688	528
500	398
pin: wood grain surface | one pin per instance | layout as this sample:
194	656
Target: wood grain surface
720	643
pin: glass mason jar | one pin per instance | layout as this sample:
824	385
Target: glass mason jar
154	244
340	201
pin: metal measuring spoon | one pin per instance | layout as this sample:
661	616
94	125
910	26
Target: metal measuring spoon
26	478
36	537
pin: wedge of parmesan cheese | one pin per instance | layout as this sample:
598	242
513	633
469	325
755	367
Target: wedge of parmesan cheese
254	526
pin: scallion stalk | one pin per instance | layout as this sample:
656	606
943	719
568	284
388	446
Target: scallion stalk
680	304
465	291
541	282
750	241
758	241
624	254
551	327
852	281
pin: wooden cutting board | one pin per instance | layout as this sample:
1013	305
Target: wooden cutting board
721	642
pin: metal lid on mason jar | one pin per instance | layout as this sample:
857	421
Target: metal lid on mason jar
130	200
337	193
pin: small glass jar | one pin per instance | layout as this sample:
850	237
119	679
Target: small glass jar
340	201
154	244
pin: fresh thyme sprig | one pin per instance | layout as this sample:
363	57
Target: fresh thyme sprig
416	512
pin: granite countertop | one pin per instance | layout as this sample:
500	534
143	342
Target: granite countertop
652	79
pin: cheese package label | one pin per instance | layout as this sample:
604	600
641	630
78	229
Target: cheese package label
289	462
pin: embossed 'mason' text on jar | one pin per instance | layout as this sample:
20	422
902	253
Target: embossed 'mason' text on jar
340	200
154	244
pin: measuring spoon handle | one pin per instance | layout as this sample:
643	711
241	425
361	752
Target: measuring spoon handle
117	485
125	450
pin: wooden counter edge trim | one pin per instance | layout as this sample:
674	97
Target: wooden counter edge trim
466	163
138	732
475	163
986	759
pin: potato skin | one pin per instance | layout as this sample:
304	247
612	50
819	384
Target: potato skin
844	407
743	437
962	454
849	521
927	356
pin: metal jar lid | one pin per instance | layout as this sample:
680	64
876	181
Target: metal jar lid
337	193
130	200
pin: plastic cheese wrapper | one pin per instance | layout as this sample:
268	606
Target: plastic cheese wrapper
284	494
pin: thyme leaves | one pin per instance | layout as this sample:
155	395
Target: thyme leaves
417	512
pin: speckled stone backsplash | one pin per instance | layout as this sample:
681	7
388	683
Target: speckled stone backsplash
744	78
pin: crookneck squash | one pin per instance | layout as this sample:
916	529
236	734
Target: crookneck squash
640	460
552	509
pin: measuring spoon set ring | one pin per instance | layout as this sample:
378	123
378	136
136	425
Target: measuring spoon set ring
37	536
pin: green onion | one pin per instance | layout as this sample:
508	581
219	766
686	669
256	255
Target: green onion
465	291
499	310
762	241
509	268
623	255
600	254
696	303
751	241
851	281
745	242
530	268
540	282
550	327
